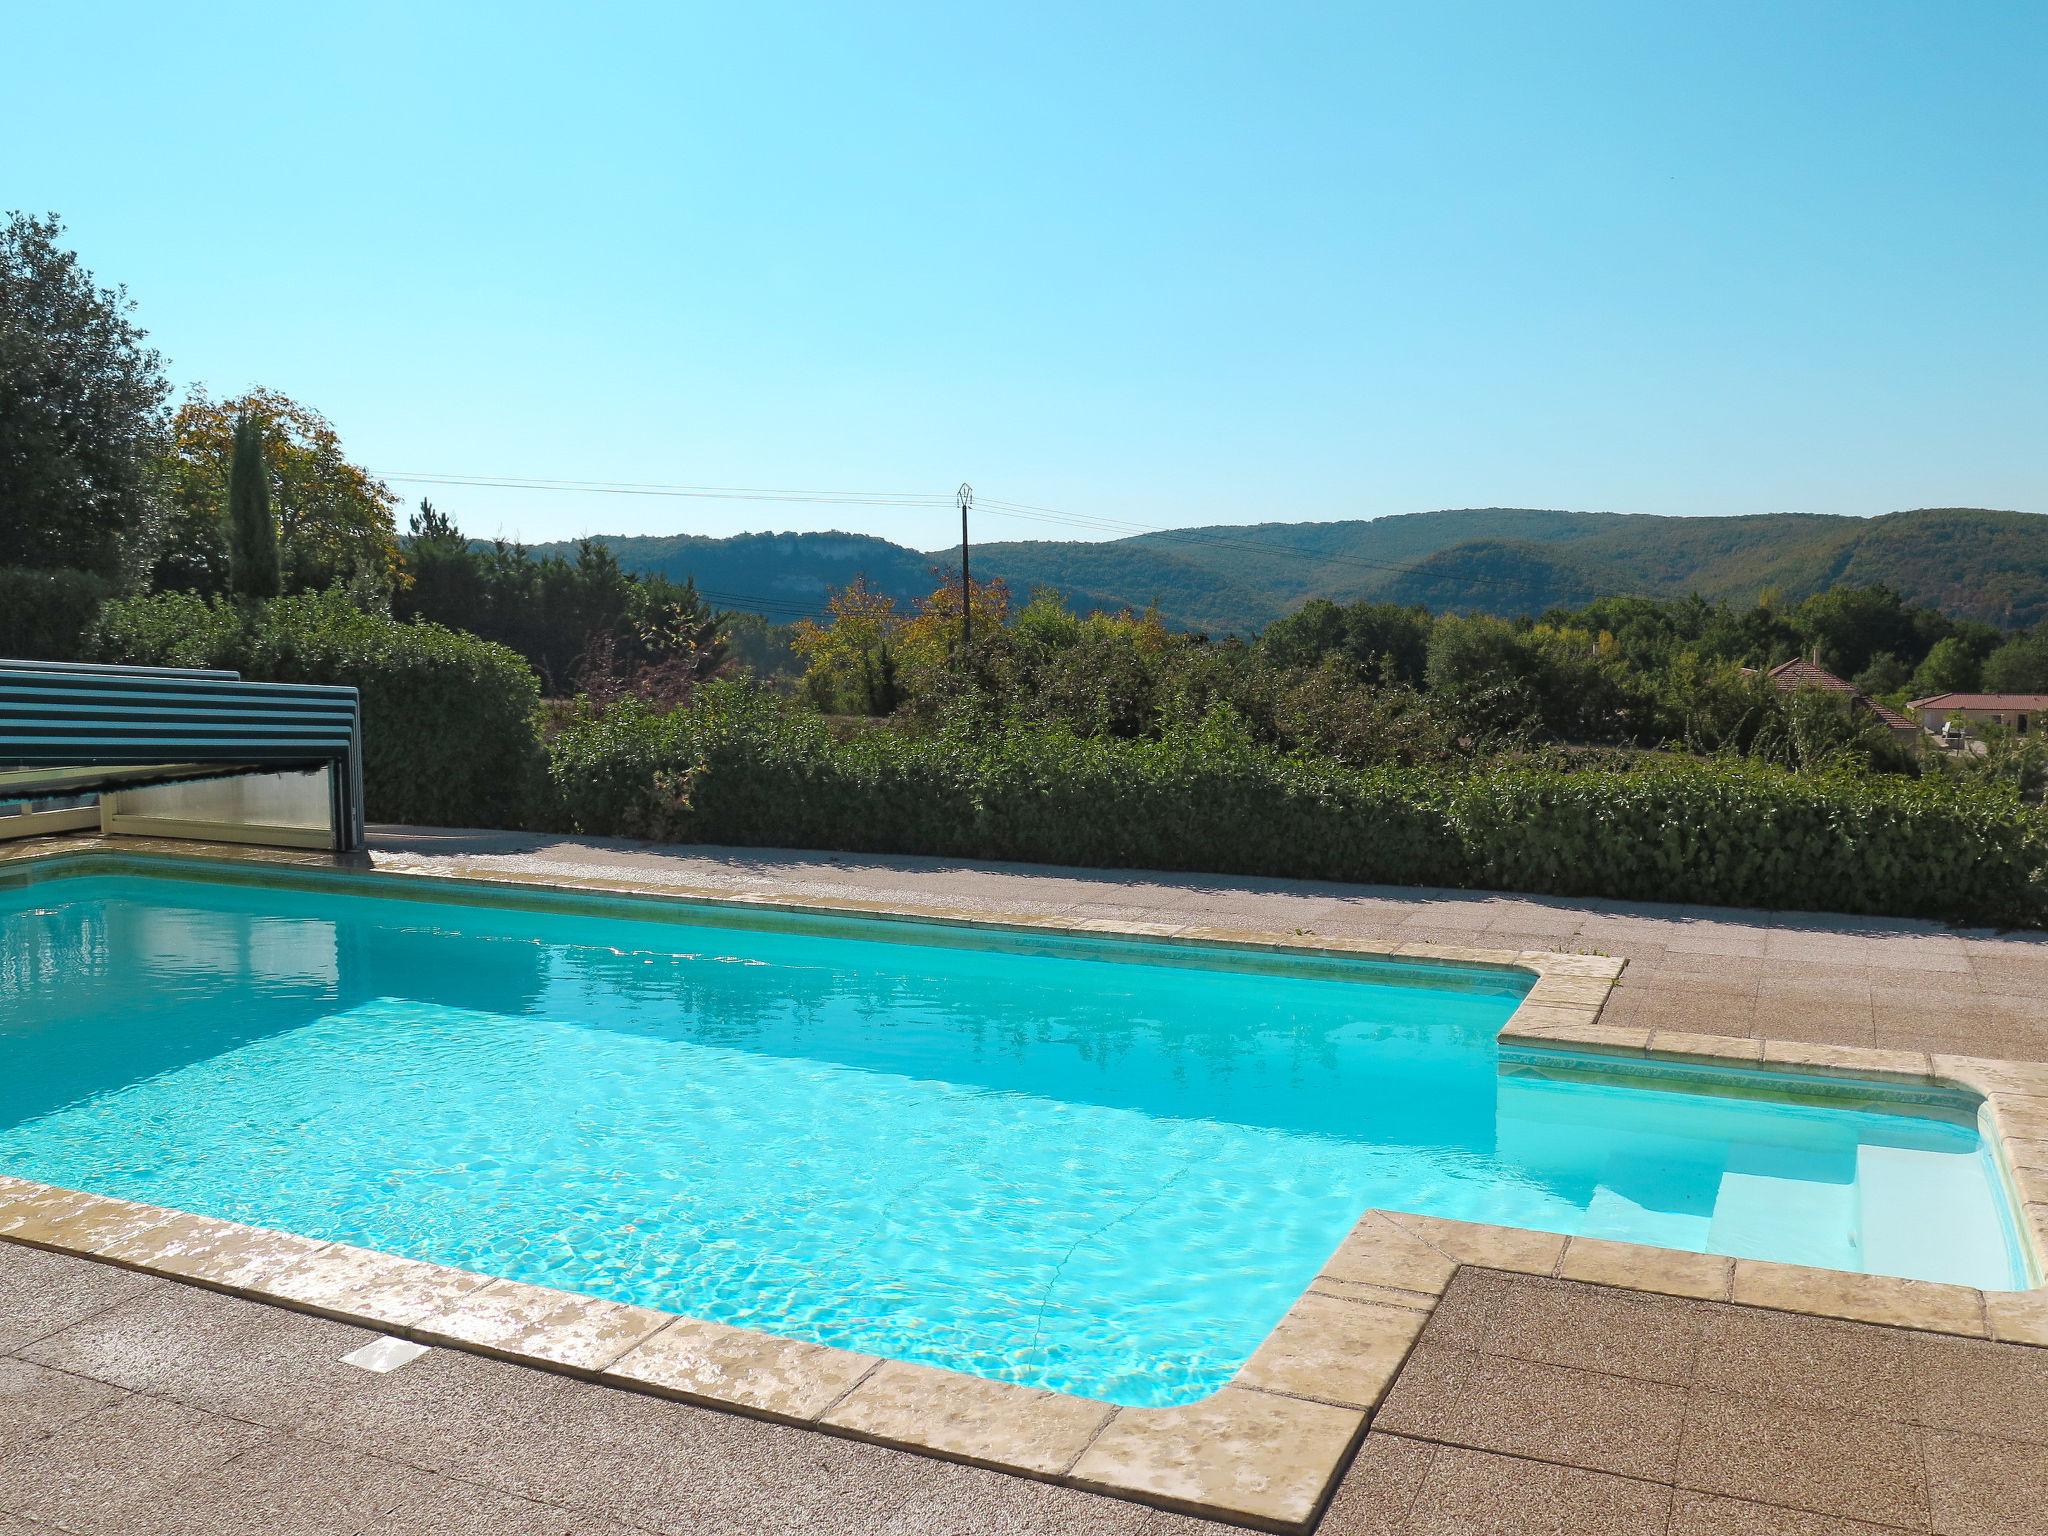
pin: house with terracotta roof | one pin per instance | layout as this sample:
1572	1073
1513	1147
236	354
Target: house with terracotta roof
2020	712
1791	676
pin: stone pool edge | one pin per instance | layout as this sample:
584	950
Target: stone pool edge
1267	1449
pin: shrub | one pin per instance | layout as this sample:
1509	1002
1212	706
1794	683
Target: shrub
742	769
1740	833
448	719
176	629
47	615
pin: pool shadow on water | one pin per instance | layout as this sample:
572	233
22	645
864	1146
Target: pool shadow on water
112	985
99	991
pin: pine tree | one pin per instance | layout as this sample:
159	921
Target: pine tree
253	566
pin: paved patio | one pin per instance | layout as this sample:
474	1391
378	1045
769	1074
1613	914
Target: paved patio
1542	1405
140	1406
135	1404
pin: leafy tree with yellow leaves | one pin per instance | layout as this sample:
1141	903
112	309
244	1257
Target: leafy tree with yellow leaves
850	664
928	647
334	518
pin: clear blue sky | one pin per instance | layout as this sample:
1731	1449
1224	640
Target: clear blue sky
1167	263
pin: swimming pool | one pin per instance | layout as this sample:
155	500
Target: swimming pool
1104	1166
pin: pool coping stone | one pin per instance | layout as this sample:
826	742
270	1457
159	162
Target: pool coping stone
1264	1451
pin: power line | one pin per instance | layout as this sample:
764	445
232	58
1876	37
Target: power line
785	608
1015	509
1088	522
764	606
702	492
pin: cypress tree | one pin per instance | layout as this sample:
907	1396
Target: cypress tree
253	567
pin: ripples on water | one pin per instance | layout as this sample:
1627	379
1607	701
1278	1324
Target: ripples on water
1098	1166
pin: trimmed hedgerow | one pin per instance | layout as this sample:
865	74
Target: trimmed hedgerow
740	769
448	719
1739	833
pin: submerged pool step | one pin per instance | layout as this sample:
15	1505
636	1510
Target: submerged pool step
1652	1200
1922	1215
1792	1207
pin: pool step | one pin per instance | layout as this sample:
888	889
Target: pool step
1791	1206
1923	1216
1648	1200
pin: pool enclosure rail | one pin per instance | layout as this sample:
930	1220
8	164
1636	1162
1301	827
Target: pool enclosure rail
73	728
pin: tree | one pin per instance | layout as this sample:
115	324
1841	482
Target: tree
1949	668
679	643
81	407
1483	670
252	535
1381	639
432	526
929	643
2020	665
575	620
334	518
1387	640
445	578
761	647
1305	636
850	664
1885	674
1109	674
1815	729
1849	625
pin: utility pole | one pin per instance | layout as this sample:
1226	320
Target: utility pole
966	495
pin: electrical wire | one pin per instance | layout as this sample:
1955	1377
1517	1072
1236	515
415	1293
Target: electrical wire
1123	528
702	492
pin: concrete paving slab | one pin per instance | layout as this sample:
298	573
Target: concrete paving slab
1978	1486
118	1467
287	1486
457	1443
1633	1334
41	1293
1469	1491
1833	1367
36	1401
1852	1465
1540	1412
1705	1514
213	1352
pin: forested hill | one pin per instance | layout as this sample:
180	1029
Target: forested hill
1969	562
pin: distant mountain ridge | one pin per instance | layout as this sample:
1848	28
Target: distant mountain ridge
1970	562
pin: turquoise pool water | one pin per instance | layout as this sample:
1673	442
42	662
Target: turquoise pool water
1096	1165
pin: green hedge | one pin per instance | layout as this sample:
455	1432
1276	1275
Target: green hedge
741	770
48	615
448	719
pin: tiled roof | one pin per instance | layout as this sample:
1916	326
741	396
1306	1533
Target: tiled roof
1806	674
1981	701
1797	673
